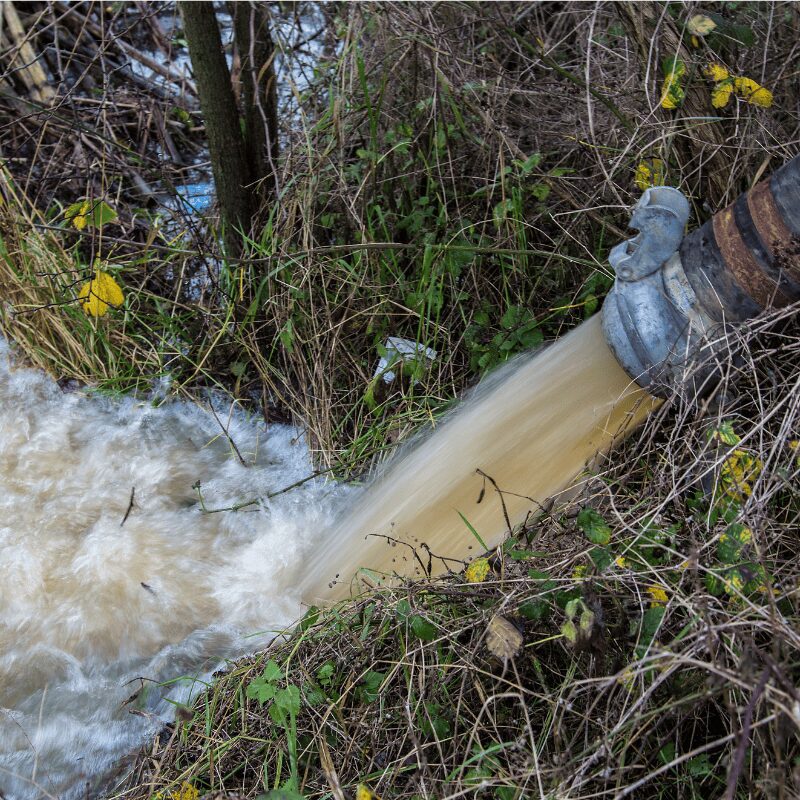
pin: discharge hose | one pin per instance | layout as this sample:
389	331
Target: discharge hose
673	292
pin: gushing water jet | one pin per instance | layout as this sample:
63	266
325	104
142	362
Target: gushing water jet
530	431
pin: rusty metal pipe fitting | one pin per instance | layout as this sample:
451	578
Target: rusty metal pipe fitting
659	316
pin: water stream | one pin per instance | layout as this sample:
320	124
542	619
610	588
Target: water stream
91	605
532	428
116	581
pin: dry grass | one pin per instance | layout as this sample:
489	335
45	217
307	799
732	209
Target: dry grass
450	102
682	682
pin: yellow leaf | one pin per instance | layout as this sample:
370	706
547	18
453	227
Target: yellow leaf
649	173
100	293
477	571
716	72
363	792
658	594
701	25
721	94
580	572
186	792
81	219
752	92
503	638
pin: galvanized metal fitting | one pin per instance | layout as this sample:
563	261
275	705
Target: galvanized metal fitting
670	295
651	318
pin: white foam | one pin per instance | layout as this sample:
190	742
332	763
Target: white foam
89	606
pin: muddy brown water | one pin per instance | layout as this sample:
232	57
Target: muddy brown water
532	428
101	618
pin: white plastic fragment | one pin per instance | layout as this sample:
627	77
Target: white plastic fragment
398	351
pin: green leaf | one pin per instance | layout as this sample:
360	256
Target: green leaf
473	531
586	622
565	596
287	336
725	433
541	191
675	66
601	558
325	673
733	542
281	794
530	163
369	688
102	213
536	610
594	527
310	618
434	723
288	700
743	34
573	607
714	584
423	629
272	672
403	610
699	766
261	690
651	622
314	696
667	753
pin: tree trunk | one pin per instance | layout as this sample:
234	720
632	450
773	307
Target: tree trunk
259	93
232	175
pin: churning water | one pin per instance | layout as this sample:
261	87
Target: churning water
89	606
97	606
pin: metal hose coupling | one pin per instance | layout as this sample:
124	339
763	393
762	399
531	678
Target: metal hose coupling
673	294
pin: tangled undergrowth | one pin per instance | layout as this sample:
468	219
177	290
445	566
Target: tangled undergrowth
451	174
641	642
